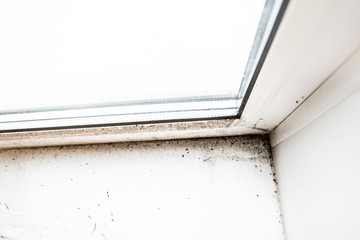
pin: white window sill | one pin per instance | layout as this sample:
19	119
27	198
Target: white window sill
129	133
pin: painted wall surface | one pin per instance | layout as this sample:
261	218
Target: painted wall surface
186	189
318	172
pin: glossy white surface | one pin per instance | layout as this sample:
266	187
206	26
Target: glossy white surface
318	174
338	87
190	189
313	40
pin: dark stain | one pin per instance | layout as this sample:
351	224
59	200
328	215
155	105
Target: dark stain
94	229
103	236
4	237
206	159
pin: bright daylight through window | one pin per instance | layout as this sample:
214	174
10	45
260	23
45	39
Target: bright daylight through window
80	63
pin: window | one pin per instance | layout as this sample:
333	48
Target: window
91	63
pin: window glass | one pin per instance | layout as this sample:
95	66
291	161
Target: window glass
77	62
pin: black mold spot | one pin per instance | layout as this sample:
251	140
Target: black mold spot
206	159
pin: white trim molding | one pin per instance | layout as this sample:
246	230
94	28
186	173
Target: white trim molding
343	83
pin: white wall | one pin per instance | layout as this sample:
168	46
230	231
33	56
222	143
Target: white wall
189	189
317	160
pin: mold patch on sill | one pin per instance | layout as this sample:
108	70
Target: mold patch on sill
128	133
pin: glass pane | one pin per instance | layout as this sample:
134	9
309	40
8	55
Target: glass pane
97	59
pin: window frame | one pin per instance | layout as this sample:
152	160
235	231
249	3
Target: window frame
237	103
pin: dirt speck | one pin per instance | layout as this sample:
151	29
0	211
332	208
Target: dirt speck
206	159
94	229
4	237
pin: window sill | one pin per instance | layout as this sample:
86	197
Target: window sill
128	133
